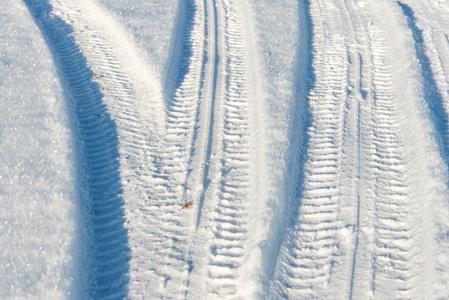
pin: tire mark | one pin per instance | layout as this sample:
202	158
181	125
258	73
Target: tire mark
396	255
110	251
229	216
307	256
170	187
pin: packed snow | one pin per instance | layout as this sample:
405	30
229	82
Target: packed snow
224	149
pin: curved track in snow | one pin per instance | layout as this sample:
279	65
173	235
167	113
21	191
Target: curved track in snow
178	180
110	253
102	96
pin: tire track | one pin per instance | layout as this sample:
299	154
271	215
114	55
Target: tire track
169	229
222	178
229	229
396	255
428	25
307	256
119	134
109	245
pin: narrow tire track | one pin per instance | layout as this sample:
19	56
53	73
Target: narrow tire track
110	252
396	256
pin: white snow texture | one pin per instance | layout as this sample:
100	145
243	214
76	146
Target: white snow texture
224	149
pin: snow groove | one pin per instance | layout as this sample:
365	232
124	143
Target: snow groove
199	176
353	175
110	252
176	150
396	254
307	255
168	186
233	190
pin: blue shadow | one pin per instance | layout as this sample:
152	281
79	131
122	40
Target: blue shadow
296	153
432	95
106	244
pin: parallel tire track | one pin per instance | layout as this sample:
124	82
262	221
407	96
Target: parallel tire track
207	158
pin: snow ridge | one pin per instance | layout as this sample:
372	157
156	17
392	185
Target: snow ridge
437	86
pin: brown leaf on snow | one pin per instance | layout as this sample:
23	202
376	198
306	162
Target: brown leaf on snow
187	204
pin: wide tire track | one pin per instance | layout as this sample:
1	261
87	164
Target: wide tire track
358	223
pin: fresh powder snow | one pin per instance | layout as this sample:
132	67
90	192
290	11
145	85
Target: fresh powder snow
224	149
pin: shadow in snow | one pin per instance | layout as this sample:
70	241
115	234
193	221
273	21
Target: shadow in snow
98	168
296	154
432	95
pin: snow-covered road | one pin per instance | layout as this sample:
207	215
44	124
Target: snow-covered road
224	149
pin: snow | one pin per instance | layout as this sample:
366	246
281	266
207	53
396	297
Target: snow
310	139
41	229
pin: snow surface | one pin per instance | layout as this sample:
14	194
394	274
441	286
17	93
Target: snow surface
42	233
311	139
